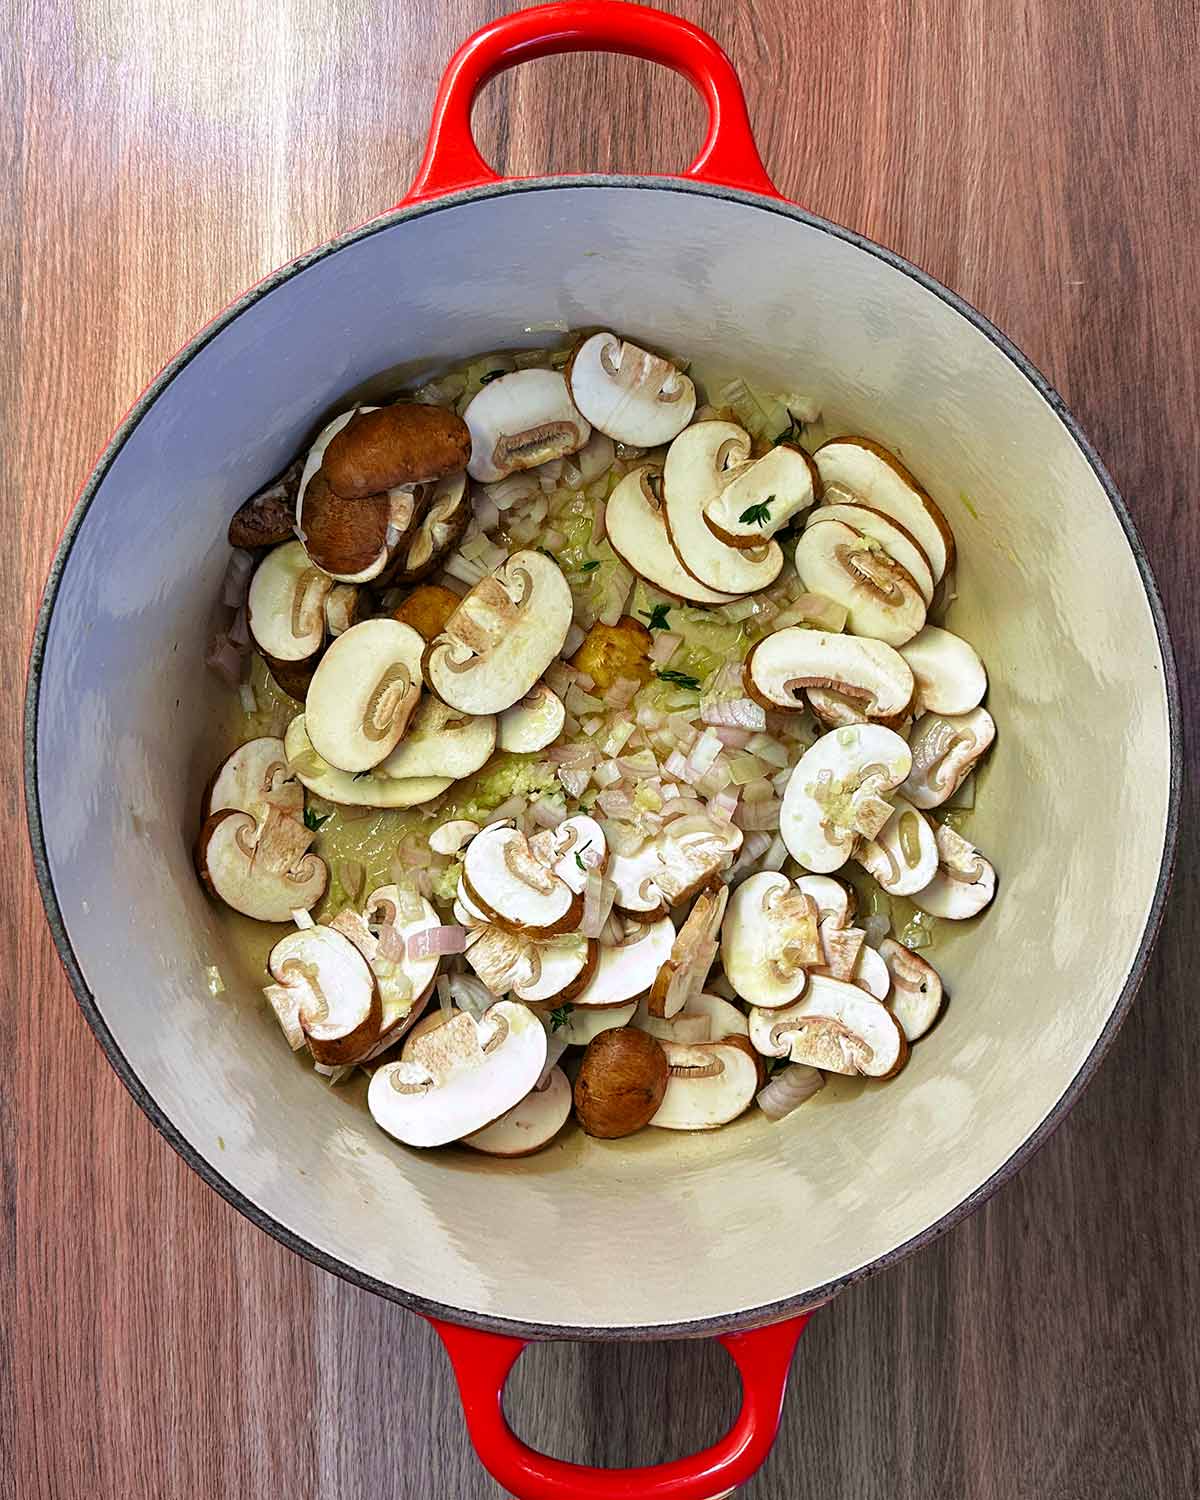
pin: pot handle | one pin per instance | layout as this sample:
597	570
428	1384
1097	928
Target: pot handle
728	156
482	1362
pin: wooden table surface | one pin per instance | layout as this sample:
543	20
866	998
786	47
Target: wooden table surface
1039	157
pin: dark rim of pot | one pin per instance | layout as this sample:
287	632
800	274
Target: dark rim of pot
750	1317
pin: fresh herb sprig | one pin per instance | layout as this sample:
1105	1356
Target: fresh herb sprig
560	1017
590	567
491	375
757	515
315	821
656	618
793	432
680	679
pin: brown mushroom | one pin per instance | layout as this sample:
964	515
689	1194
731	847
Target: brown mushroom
621	1082
408	443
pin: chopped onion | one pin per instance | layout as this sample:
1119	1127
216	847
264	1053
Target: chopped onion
781	778
622	693
876	926
487	512
789	1089
249	701
392	946
616	804
505	493
575	639
666	643
776	856
741	610
762	814
724	805
449	938
239	631
595	456
704	752
236	583
461	568
769	750
580	702
619	736
443	994
571	755
607	775
549	474
598	896
352	876
676	765
225	660
552	540
754	846
598	524
555	1047
510	808
735	713
574	779
302	919
613	930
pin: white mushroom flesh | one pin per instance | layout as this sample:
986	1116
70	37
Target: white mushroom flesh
227	855
441	741
709	1085
964	884
363	694
898	543
573	849
633	396
881	598
371	790
530	1124
903	855
834	1026
846	773
945	750
785	663
583	1023
917	994
532	723
626	970
638	535
506	881
337	1001
286	604
254	777
761	497
522	420
880	481
950	677
768	938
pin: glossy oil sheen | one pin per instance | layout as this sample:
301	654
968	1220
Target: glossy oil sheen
1074	815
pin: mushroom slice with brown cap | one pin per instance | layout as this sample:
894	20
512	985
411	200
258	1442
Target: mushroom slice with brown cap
363	790
626	970
503	635
388	446
881	598
572	850
437	533
634	878
899	544
583	1024
903	855
950	676
502	960
530	1124
522	420
880	480
945	750
783	664
835	1026
707	1086
917	993
762	497
458	1078
404	983
768	938
506	881
535	972
354	540
637	533
532	723
838	790
621	1082
834	710
315	456
724	1019
691	850
692	954
693	475
633	396
441	741
964	884
228	862
267	518
336	997
449	838
255	775
342	605
286	604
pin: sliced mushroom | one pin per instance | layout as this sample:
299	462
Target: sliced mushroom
945	750
950	676
572	850
460	1077
231	867
898	543
521	420
503	635
406	443
724	1019
354	540
450	837
692	954
626	970
880	480
582	1025
768	938
635	881
254	776
342	605
441	741
363	790
286	604
964	884
834	710
336	998
622	1081
267	518
762	497
315	456
512	887
871	973
881	598
363	694
292	677
917	992
404	983
835	902
438	532
903	855
837	790
632	396
694	474
637	533
532	723
709	1085
529	1125
835	1026
691	850
782	665
689	1028
536	972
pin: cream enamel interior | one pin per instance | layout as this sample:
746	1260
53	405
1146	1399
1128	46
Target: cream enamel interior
1078	786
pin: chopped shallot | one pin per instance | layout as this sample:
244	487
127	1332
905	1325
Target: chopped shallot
598	896
239	631
665	646
392	946
735	713
302	919
224	658
789	1089
236	583
437	940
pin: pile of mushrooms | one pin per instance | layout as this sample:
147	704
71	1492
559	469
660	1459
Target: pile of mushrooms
662	940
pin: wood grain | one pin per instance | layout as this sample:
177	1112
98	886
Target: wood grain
158	157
